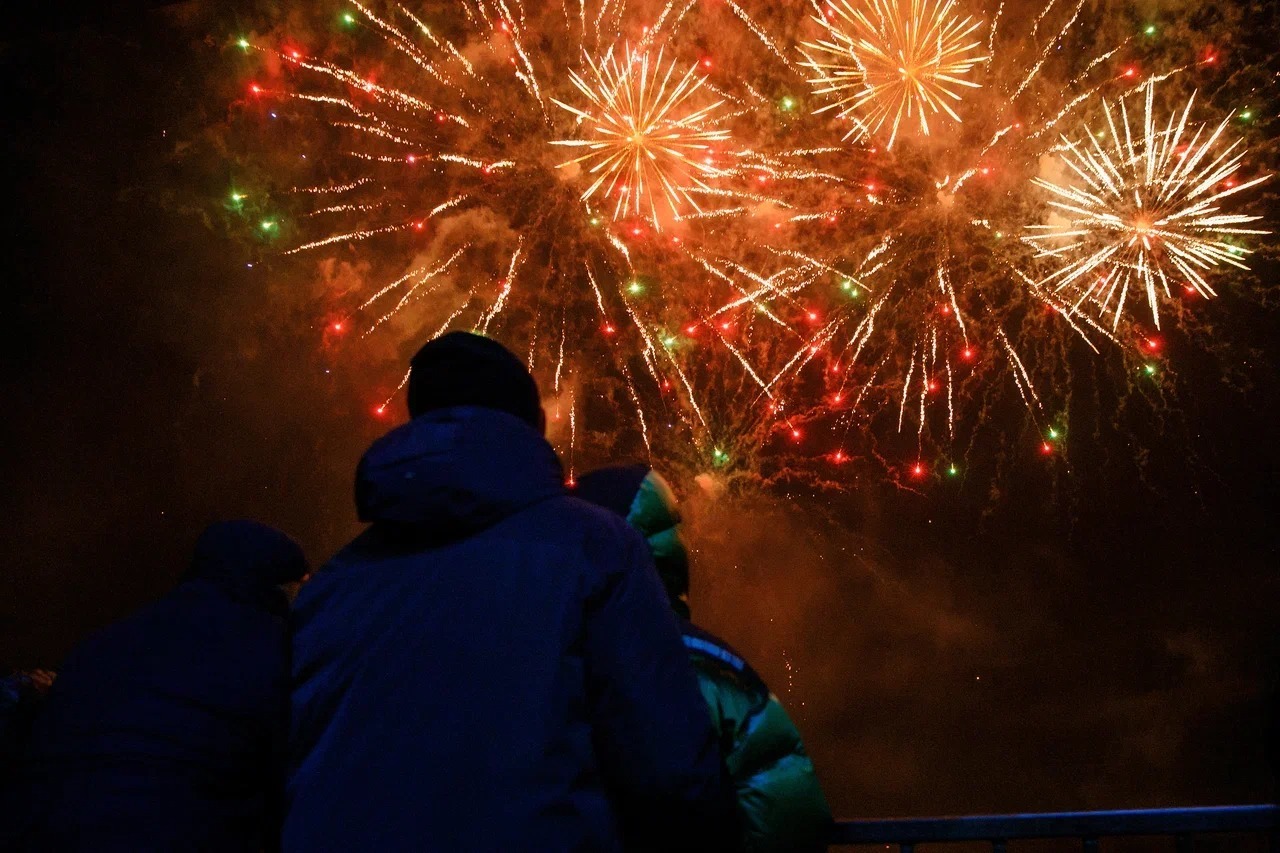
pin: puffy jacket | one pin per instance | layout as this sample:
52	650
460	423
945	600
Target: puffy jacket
780	803
492	665
166	731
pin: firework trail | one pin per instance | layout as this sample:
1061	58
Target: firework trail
877	283
451	151
776	258
903	299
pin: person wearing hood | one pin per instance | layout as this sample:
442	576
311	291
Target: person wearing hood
167	730
780	803
491	665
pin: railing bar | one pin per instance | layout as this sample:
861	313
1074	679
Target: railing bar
1172	822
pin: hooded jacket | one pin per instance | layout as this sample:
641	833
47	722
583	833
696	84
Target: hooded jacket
780	803
166	731
491	665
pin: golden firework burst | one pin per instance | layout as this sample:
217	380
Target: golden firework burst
1144	209
890	64
645	143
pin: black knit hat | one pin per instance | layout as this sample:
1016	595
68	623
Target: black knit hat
247	552
462	369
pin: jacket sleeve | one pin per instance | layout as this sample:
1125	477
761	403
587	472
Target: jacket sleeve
652	731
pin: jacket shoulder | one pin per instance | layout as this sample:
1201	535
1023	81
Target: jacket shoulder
721	664
579	533
573	524
594	520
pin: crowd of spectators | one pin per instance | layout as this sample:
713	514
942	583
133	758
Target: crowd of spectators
498	662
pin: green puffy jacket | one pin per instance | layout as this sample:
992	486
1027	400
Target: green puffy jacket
780	803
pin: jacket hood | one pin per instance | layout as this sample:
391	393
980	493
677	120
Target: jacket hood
456	471
247	561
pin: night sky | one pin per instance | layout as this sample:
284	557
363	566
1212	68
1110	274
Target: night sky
1098	637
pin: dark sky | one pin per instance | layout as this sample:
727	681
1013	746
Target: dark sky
1087	641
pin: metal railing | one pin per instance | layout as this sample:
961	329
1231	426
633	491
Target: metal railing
1089	827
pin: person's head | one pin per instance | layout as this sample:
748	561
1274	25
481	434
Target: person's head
246	557
641	496
462	369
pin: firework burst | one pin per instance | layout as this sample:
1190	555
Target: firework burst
897	299
646	146
692	253
450	151
893	64
1144	210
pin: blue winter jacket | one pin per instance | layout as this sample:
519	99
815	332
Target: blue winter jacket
492	665
167	731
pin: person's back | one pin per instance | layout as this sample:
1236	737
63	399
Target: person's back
166	731
781	806
491	665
